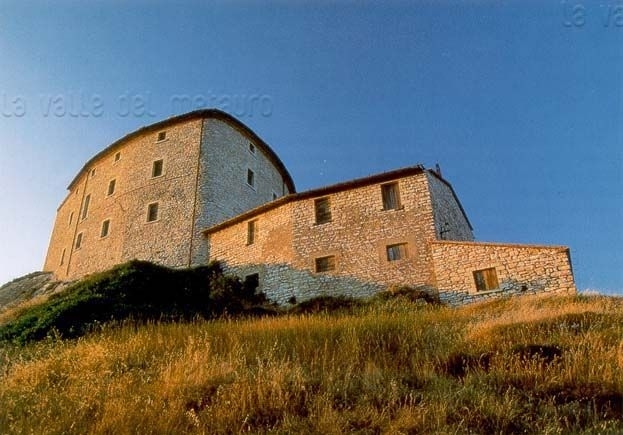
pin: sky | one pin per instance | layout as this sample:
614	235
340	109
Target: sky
520	103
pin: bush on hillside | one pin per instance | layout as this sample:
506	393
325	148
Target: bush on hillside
135	290
425	294
327	304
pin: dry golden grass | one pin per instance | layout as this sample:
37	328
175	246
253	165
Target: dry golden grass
388	368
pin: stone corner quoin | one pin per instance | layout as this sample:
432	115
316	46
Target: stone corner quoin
203	186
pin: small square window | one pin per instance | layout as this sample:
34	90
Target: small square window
162	136
78	240
152	212
486	279
391	197
156	169
117	157
323	210
105	228
396	252
111	187
251	232
325	264
85	206
250	178
251	148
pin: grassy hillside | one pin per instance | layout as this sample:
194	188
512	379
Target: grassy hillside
530	365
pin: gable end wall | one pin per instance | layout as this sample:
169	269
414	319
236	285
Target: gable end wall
450	220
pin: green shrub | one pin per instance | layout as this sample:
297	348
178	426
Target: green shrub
135	290
423	293
327	304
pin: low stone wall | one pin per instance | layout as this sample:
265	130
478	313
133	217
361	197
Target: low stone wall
519	269
458	298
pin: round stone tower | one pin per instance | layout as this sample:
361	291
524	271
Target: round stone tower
150	194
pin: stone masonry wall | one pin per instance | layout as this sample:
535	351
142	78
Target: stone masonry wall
270	255
130	235
289	241
520	269
450	222
360	231
64	231
226	157
166	240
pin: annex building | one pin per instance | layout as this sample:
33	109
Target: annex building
202	186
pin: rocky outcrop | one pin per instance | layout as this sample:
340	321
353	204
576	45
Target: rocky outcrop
28	287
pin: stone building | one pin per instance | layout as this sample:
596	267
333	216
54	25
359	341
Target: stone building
202	186
150	194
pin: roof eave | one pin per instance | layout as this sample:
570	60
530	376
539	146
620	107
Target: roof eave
197	114
383	177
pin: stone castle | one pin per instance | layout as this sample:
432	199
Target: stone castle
202	186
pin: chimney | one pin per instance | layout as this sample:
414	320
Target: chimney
438	169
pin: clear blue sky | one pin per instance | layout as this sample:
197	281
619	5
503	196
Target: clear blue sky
521	103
